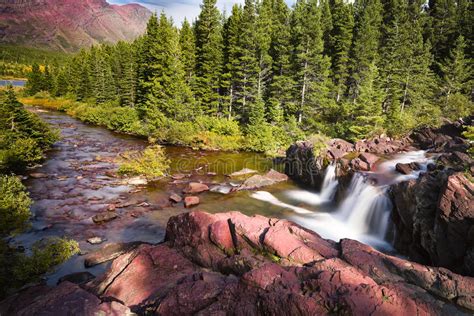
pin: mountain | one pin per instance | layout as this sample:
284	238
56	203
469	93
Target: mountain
68	25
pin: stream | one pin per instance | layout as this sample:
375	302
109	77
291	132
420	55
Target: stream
77	181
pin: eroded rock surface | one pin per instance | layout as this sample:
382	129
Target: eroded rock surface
230	263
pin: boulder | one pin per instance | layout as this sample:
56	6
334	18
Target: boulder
64	299
77	278
259	181
434	220
369	158
195	187
175	198
191	201
104	217
107	253
407	168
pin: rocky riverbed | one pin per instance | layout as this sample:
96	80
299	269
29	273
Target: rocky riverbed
140	253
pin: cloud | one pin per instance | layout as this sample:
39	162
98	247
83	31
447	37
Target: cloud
180	9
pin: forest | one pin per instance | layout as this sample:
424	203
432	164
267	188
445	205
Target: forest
264	75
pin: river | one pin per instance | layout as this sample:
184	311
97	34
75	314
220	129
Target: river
78	182
14	82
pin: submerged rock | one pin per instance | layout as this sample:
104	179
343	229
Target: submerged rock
243	172
104	217
259	181
77	278
175	198
195	187
191	201
234	264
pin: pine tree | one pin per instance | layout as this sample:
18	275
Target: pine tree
209	57
34	84
124	69
231	60
247	70
102	81
366	111
340	43
169	93
145	61
443	26
457	81
280	98
365	50
188	51
326	24
47	80
407	78
311	66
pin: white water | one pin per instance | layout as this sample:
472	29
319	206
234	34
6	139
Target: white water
365	211
328	190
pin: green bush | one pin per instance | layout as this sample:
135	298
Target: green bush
14	205
151	162
18	268
319	142
217	125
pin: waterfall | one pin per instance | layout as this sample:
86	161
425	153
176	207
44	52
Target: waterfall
329	184
328	190
366	208
363	214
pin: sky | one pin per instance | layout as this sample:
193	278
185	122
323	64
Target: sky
179	9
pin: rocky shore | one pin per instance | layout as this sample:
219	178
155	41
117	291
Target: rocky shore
433	215
230	263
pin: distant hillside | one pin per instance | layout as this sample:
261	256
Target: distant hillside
68	25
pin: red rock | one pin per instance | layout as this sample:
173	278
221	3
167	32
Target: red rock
195	187
220	234
147	270
107	253
191	201
368	158
358	165
407	168
65	299
175	198
259	181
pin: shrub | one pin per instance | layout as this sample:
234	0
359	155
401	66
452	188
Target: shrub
319	142
151	162
14	205
46	254
219	126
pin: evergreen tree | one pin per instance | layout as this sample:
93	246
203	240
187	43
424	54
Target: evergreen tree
407	78
188	51
169	93
145	61
444	28
365	50
280	98
124	70
209	43
35	78
326	24
247	69
47	80
367	116
457	82
311	66
231	60
101	75
340	44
